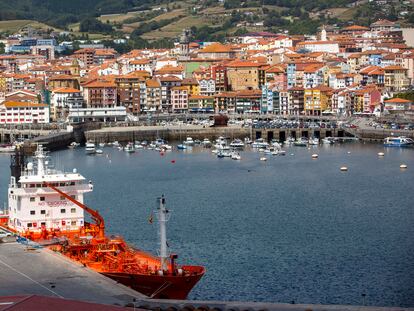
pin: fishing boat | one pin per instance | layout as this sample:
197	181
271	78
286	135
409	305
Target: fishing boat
90	148
289	141
400	141
57	222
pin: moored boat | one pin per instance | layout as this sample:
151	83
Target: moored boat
90	148
6	148
400	141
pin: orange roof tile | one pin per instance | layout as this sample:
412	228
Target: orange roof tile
397	100
216	48
12	104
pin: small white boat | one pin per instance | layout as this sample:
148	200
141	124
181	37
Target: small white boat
328	141
181	147
72	145
247	141
197	142
166	147
276	152
6	148
90	148
101	145
263	159
274	143
301	142
289	141
313	141
235	156
129	148
115	143
260	143
138	146
281	152
189	141
237	143
206	142
99	151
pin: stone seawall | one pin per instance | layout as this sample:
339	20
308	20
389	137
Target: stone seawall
171	134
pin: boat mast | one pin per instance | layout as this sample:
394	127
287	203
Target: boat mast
163	217
40	156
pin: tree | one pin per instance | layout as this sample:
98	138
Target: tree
2	48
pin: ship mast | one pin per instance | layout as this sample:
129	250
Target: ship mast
40	156
163	217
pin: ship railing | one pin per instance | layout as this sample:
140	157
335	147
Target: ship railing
43	190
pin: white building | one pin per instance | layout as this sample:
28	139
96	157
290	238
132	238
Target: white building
23	113
320	46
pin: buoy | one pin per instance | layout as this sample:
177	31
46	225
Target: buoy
173	161
403	166
381	154
314	156
349	152
344	168
308	148
292	154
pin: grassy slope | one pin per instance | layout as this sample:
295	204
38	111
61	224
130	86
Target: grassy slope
17	24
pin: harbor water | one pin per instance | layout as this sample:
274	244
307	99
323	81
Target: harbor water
289	229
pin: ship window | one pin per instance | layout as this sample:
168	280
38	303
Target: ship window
62	197
32	185
43	224
63	211
32	212
42	198
32	199
72	183
42	211
29	225
39	185
73	197
73	222
62	184
73	210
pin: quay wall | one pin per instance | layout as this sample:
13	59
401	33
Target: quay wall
171	134
127	134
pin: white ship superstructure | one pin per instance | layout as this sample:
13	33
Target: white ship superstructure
34	207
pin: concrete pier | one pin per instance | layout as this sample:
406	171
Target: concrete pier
25	270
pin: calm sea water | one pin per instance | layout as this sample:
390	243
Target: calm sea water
289	229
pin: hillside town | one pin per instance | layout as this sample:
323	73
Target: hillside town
354	70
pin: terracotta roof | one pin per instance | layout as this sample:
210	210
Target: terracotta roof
152	83
394	67
139	61
179	88
355	27
11	104
397	100
216	48
66	90
242	63
100	84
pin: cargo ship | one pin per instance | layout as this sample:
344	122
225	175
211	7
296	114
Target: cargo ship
46	206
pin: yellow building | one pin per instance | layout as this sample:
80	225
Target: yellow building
192	86
317	100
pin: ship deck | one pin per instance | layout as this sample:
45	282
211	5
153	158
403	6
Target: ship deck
39	271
